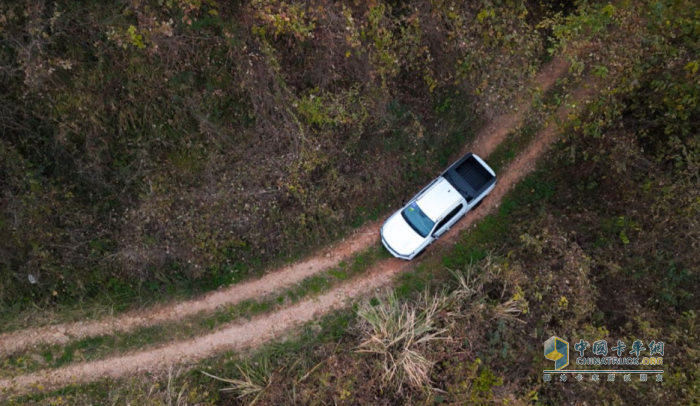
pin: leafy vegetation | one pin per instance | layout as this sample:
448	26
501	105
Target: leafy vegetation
599	243
153	149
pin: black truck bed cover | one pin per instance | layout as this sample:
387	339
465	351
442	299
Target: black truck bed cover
469	177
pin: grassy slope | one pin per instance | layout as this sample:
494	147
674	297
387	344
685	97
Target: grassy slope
409	285
158	151
91	348
597	244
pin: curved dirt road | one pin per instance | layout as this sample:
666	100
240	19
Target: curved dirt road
270	326
484	143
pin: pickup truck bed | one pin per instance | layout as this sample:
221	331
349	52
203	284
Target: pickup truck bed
469	177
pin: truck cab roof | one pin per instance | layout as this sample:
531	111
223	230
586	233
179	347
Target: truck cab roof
438	199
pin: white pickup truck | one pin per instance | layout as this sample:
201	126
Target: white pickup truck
438	207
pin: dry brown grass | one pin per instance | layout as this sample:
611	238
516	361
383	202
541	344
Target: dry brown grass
397	333
254	380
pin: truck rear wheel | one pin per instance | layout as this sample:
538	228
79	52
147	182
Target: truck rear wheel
480	201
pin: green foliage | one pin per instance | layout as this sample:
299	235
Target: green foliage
600	71
482	387
284	19
166	148
333	110
135	37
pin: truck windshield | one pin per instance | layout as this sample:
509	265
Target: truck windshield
418	221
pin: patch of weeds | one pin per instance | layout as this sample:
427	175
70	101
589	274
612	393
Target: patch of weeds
482	386
509	148
360	262
260	307
47	355
397	332
409	283
675	283
531	191
333	327
339	274
66	357
364	214
311	285
621	227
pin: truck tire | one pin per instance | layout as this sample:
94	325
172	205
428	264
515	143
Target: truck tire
480	201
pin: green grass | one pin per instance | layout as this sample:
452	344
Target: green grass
300	352
92	348
472	248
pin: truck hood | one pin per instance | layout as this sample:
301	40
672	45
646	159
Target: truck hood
400	236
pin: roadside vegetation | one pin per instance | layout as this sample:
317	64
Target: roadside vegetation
599	243
97	347
154	150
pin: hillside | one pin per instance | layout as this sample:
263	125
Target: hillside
152	150
155	151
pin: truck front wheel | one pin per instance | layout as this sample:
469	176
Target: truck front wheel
419	253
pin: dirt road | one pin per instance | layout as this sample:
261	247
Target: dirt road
270	326
484	143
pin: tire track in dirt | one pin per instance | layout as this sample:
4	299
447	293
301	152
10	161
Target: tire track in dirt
496	131
267	327
485	142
